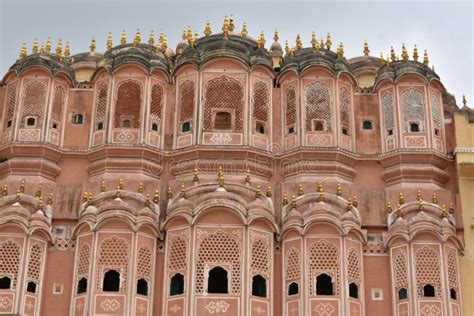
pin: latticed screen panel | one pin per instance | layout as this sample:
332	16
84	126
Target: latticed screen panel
413	109
452	269
144	262
224	93
389	118
34	100
260	262
324	258
11	104
318	106
400	269
34	263
113	253
58	104
101	103
177	258
427	267
156	103
290	110
219	248
353	269
436	111
261	101
128	104
186	101
84	261
293	265
345	109
10	261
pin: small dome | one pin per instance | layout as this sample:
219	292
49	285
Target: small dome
276	49
169	52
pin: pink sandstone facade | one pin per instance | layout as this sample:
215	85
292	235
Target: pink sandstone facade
227	179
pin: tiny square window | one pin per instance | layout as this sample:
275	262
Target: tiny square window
345	131
58	288
414	127
54	125
318	126
377	294
154	127
437	132
367	125
390	132
260	127
9	123
100	126
223	121
291	130
78	119
31	121
186	127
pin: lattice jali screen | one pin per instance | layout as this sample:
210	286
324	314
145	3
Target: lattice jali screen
436	111
186	102
293	265
290	109
413	109
224	93
323	258
389	118
353	267
156	103
345	110
11	104
260	262
452	269
34	263
10	261
128	103
261	101
34	101
113	254
400	269
101	103
83	261
318	105
428	270
177	257
144	262
219	248
58	104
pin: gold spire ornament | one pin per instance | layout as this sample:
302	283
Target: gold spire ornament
225	27
67	50
89	198
164	42
5	190
247	176
195	175
382	59
387	60
118	194
287	48
245	31
349	204
366	48
300	189
231	23
444	211
293	201
183	191
39	190
48	46
18	196
140	187
22	186
299	42
258	192
93	45
170	193
314	41
59	48
276	36
328	42
340	53
320	187
84	196
339	190
426	61
399	210
269	191
109	41
419	197
401	198
41	49
123	38
121	183
23	52
415	53
354	201
393	56
421	204
35	46
464	100
434	198
220	177
261	40
137	39
207	29
196	37
50	199
151	39
389	207
285	199
102	186
39	205
405	55
147	200
156	196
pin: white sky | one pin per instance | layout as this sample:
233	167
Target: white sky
445	28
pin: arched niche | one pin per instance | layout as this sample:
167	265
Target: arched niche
224	63
317	72
219	215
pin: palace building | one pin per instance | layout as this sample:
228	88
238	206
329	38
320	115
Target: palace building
230	177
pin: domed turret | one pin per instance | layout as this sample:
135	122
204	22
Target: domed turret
276	51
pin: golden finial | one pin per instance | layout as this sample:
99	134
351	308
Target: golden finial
399	210
220	181
67	50
140	187
366	48
415	53
299	42
162	35
389	207
195	175
102	186
231	23
23	52
426	61
269	191
244	32
35	46
59	47
48	46
285	199
340	53
393	56
117	192
419	196
89	197
287	48
183	191
434	198
109	41
121	183
314	41
39	204
401	198
225	27
464	100
382	60
5	190
328	42
300	189
156	196
444	211
196	37
258	192
292	52
39	190
451	208
164	42
421	205
276	37
50	199
339	189
147	201
432	68
42	49
190	37
261	40
84	196
321	45
137	39
93	45
293	201
349	204
151	39
18	196
320	187
387	60
207	29
22	186
405	55
123	38
247	176
72	61
354	201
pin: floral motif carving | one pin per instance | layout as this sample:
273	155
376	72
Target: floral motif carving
217	307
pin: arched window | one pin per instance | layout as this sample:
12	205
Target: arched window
389	118
78	119
57	109
31	287
413	109
111	281
353	290
82	286
142	287
293	288
128	105
453	294
5	283
260	127
260	106
101	105
367	125
30	121
414	127
177	284
34	101
324	285
11	104
223	121
100	126
186	105
290	99
259	286
428	290
318	105
318	126
217	281
156	104
402	294
186	127
154	127
345	111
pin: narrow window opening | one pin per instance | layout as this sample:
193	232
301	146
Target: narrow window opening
318	126
31	287
223	121
453	294
437	132
100	126
82	286
324	285
5	283
428	290
259	286
54	125
78	119
260	127
353	290
111	281
154	127
142	287
217	281
414	127
291	130
345	131
402	294
367	125
177	284
126	123
293	288
31	122
390	132
186	127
